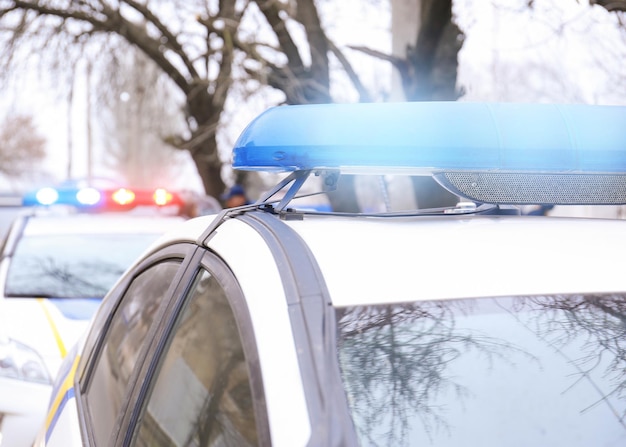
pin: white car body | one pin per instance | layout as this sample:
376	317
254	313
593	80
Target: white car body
469	325
548	255
48	326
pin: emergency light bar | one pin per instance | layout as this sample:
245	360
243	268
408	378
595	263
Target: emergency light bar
89	198
495	153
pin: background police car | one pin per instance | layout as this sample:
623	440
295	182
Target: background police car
55	268
466	325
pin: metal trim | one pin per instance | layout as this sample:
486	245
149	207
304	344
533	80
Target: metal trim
312	320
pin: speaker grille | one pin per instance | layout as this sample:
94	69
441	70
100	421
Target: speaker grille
524	188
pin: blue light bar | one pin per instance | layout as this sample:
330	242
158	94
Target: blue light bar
82	197
491	153
431	137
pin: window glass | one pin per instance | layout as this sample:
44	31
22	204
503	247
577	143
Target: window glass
202	394
72	265
516	372
123	342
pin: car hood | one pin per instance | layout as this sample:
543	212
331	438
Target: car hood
47	325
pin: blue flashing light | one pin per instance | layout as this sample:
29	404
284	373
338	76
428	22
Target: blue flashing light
82	197
47	196
435	137
88	196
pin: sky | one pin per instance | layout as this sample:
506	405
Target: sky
560	51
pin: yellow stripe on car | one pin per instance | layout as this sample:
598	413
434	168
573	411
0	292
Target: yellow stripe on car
53	327
60	394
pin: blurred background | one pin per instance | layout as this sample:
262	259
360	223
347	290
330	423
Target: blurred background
154	93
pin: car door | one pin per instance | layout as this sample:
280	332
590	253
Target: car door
201	381
121	334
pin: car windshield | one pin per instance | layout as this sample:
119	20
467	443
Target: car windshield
73	265
517	371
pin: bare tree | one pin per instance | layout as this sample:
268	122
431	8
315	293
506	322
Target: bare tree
428	65
299	68
199	46
21	146
177	36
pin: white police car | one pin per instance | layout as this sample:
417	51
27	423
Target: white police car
55	268
470	326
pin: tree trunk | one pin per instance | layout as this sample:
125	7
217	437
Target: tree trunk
430	55
610	5
209	171
428	42
203	143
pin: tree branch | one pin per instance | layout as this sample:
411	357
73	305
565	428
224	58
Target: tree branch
354	78
318	42
271	11
115	23
172	42
397	62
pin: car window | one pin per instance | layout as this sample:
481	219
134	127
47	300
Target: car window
109	385
201	394
72	265
514	371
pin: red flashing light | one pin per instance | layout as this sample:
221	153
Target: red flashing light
123	196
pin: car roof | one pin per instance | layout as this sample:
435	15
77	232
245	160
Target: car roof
369	260
388	260
113	223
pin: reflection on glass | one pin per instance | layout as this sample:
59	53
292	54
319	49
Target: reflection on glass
123	343
72	266
202	395
522	371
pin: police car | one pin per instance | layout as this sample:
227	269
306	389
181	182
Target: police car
469	325
56	265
